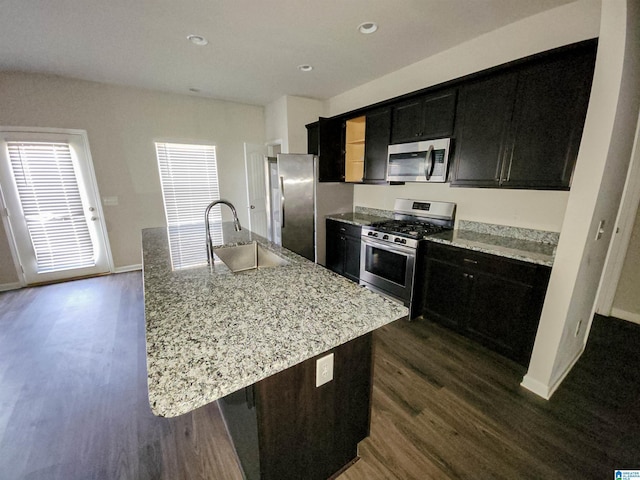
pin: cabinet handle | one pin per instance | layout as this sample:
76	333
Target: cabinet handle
282	201
509	170
468	260
342	229
470	276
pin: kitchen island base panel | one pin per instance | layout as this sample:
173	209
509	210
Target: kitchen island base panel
284	427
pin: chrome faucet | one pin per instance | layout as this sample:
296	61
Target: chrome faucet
236	224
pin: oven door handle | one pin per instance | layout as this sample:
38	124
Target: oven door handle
389	246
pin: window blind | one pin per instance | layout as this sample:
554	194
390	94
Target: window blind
52	205
189	179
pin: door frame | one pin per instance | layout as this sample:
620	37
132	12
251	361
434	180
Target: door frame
91	178
623	229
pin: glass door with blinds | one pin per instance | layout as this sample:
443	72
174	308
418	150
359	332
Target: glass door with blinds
52	207
189	179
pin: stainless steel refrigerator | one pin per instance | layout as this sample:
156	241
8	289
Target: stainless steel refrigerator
299	204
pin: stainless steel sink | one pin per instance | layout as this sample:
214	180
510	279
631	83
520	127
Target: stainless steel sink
239	258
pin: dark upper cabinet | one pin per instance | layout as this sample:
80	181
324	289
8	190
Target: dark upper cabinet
522	129
331	149
378	128
313	132
424	117
548	119
482	124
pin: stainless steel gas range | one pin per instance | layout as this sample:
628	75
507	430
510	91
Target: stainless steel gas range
389	248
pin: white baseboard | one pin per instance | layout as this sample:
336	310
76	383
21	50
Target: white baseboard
624	315
4	287
128	268
535	386
542	389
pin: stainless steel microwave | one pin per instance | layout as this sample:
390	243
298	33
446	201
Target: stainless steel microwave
426	161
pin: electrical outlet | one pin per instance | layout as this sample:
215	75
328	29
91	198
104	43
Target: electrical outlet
324	369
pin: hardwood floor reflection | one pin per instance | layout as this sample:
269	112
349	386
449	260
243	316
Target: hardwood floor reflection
73	391
445	408
73	401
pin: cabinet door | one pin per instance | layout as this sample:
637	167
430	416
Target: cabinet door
331	150
352	257
438	114
335	249
312	138
446	293
483	118
424	117
498	315
407	121
550	109
376	146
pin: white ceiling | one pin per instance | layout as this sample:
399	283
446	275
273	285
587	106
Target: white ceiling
254	45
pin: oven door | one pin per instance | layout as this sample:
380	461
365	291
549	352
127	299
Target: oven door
387	269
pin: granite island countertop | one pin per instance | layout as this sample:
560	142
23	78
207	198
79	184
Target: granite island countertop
211	332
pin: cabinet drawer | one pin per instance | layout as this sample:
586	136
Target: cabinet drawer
516	270
343	228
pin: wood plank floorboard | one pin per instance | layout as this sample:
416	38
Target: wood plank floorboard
74	405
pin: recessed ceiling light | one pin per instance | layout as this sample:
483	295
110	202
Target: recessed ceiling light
367	27
197	40
305	68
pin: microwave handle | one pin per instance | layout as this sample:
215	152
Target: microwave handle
428	168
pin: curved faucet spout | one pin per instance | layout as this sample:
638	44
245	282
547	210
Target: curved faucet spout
236	224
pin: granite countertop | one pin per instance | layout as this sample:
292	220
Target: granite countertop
517	248
356	218
211	332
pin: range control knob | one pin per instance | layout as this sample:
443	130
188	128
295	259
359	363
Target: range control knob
385	237
400	240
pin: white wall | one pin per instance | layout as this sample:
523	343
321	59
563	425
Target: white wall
599	178
626	303
122	124
276	128
541	210
286	119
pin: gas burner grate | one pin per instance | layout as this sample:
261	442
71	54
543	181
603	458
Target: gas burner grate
407	228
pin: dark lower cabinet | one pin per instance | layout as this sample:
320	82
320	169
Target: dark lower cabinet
284	427
494	300
343	249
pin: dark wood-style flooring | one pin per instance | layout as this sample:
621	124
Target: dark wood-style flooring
73	401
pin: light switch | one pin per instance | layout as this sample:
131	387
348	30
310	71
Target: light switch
324	369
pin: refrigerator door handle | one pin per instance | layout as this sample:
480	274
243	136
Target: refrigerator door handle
282	200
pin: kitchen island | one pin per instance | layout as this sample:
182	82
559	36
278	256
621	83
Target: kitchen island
253	338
